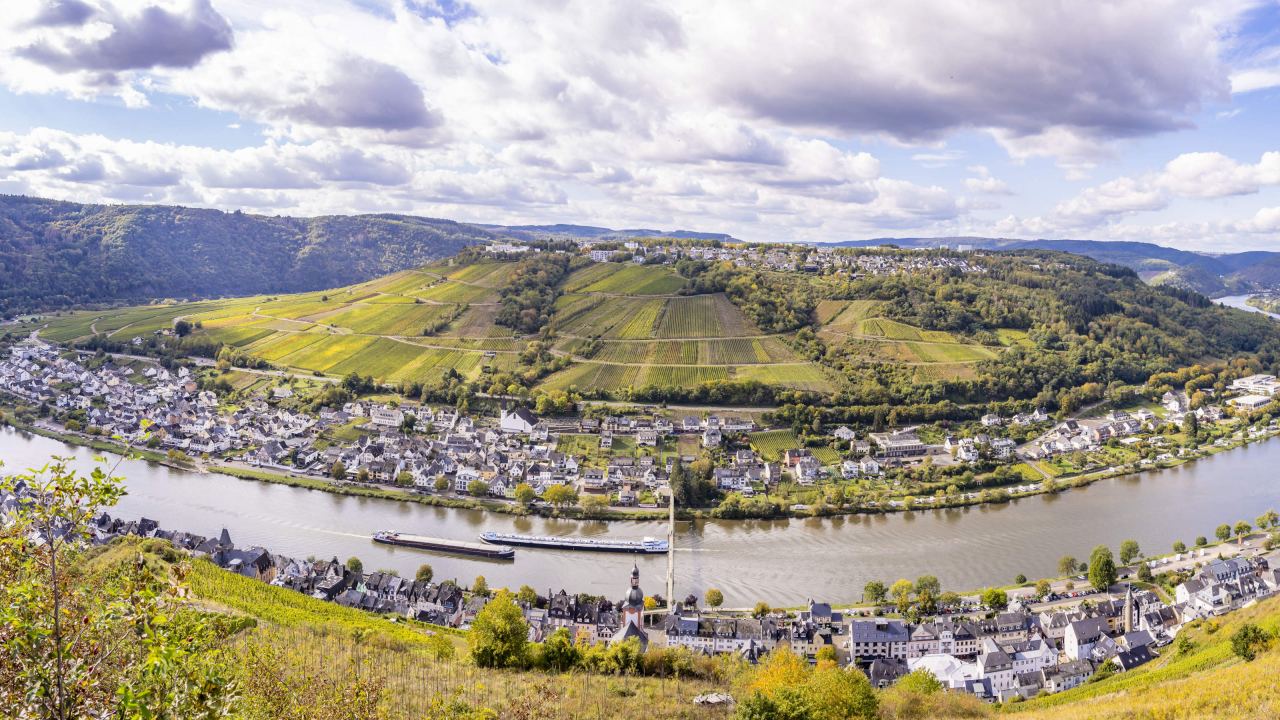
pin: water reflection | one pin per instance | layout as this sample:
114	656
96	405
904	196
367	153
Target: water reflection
778	561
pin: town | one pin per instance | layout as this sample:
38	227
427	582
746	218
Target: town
619	461
988	646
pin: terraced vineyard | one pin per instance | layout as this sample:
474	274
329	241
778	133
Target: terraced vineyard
488	274
851	313
772	444
637	280
682	375
949	353
625	315
692	317
898	331
796	377
456	292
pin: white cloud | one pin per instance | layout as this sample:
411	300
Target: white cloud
707	114
985	183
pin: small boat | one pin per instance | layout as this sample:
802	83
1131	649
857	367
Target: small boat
647	546
455	547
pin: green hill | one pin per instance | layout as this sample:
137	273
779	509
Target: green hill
59	254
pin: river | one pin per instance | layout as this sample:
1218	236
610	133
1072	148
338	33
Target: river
1239	302
780	562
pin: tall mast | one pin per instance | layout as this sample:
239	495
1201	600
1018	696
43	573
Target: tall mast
671	552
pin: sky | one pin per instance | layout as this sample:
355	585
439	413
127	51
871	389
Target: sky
1155	121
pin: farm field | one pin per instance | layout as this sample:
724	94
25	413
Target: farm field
944	371
388	319
456	292
640	326
693	317
826	455
329	351
773	443
588	445
240	336
943	353
682	375
290	343
852	312
477	321
738	351
489	274
796	377
398	283
638	280
898	331
589	275
828	309
1014	337
593	376
732	322
68	328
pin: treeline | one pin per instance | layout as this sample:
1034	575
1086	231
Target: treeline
62	255
168	349
774	304
723	392
530	293
1088	324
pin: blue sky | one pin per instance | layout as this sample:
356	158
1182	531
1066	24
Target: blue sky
1150	121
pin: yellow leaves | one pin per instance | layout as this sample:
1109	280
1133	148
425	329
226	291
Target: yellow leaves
781	668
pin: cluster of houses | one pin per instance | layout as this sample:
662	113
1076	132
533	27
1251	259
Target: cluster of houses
1015	653
154	400
798	259
518	448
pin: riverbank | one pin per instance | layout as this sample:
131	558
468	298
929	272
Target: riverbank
1060	484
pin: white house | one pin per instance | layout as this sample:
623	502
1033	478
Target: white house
385	416
520	422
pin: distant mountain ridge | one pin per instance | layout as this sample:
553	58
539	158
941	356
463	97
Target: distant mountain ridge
1213	275
54	254
590	231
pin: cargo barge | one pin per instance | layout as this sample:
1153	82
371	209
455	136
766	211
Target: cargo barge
647	546
455	547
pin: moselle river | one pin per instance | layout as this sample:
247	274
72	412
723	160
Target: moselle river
780	562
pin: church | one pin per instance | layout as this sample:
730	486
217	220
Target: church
633	614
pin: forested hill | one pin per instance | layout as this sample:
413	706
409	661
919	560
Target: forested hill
57	254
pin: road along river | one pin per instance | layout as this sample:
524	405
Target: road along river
780	561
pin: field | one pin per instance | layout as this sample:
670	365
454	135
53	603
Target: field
732	322
638	280
240	336
593	376
773	443
70	327
388	319
326	353
640	326
1014	337
828	309
693	317
682	375
477	321
940	353
797	377
944	371
589	275
852	313
898	331
456	292
489	274
588	445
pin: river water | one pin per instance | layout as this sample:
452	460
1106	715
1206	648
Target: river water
1239	302
780	562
